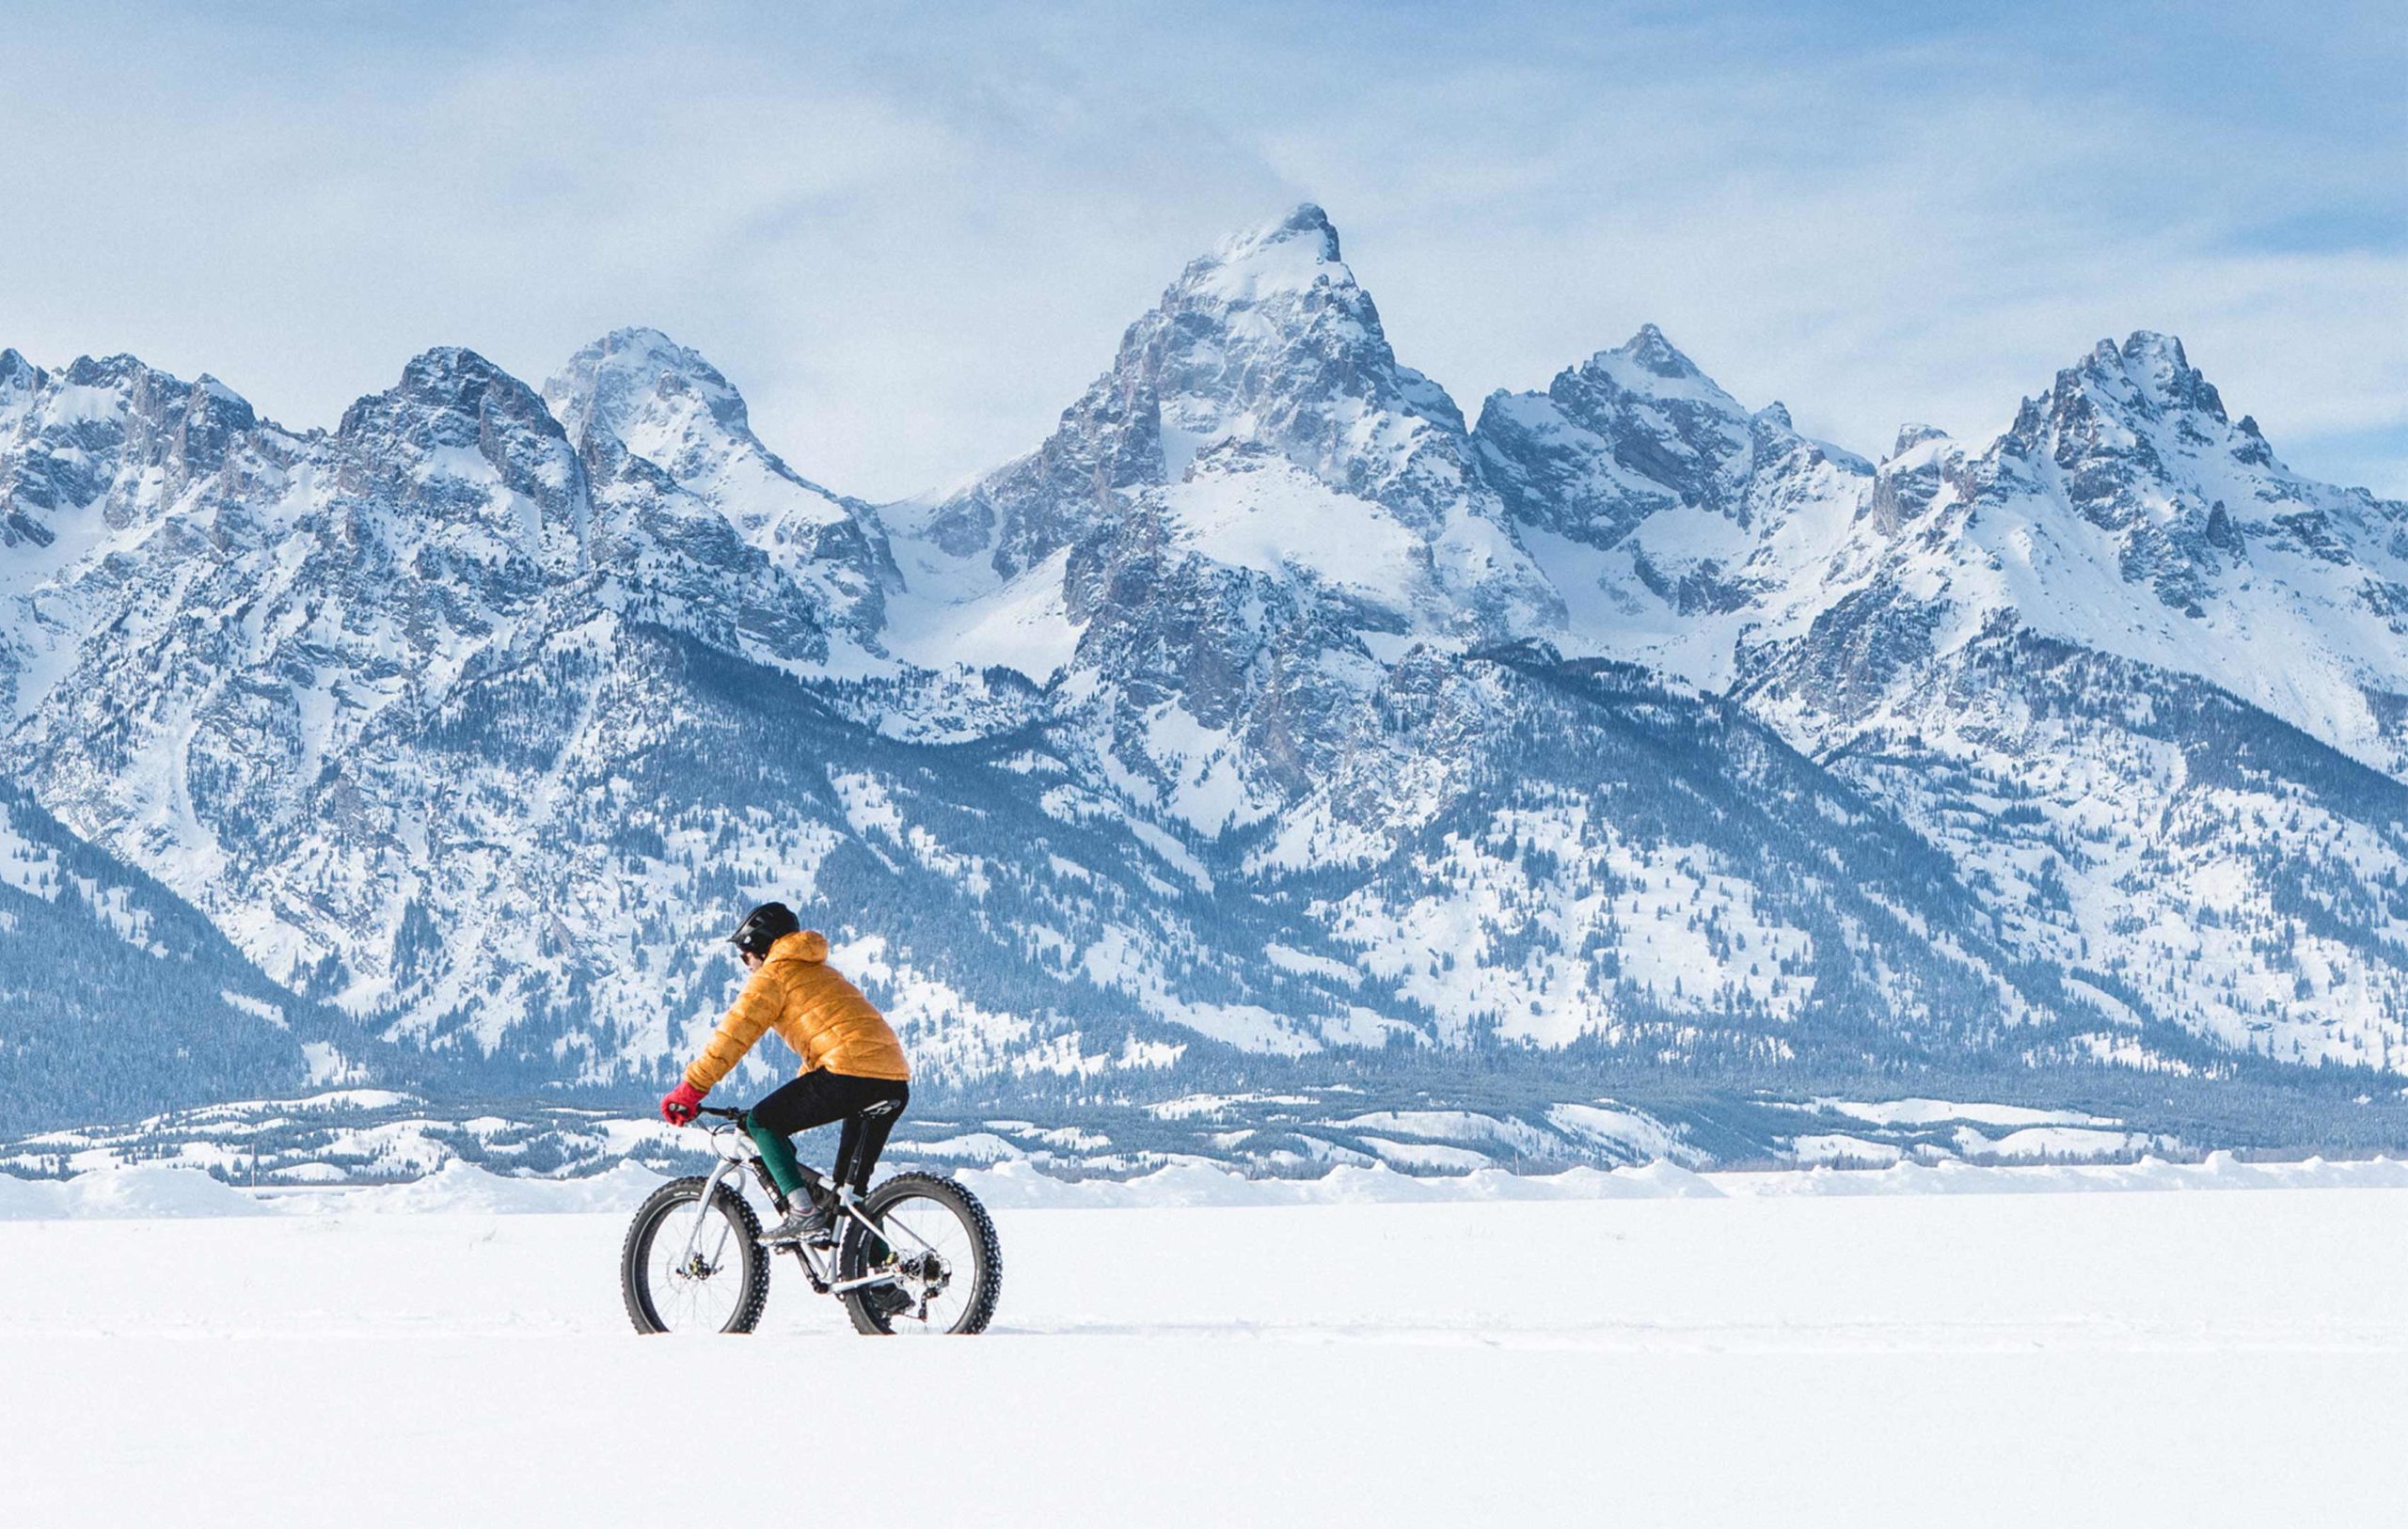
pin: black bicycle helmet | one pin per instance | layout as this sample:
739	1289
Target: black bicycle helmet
762	928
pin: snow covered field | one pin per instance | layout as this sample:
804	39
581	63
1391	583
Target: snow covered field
1660	1349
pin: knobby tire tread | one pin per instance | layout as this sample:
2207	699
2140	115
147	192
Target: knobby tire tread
902	1185
686	1192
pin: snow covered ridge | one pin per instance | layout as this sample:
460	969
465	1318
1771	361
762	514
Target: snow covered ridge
1266	728
352	1137
157	1192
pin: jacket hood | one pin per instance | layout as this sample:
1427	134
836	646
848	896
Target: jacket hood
802	945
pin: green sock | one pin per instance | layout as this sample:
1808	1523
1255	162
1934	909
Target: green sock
785	1170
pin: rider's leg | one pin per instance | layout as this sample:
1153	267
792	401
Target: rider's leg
800	1104
857	1153
848	1146
777	1155
865	1134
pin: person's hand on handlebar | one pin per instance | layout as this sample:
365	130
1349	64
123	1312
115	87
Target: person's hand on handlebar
681	1104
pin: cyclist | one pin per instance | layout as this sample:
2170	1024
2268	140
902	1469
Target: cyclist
852	1065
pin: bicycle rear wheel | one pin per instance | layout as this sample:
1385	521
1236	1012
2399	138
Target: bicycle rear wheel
938	1244
678	1276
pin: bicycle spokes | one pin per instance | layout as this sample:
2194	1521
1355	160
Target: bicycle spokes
696	1267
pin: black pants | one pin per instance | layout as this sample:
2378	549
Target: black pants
868	1107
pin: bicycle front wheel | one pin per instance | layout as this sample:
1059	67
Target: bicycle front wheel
937	1248
692	1267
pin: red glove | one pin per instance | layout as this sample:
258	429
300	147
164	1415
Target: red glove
679	1105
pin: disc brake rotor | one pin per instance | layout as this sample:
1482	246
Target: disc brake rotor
927	1269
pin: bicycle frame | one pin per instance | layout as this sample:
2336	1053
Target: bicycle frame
735	1150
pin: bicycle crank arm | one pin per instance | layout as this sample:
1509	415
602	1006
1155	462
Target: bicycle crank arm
863	1283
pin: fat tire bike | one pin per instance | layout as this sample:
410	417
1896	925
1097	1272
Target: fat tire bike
916	1254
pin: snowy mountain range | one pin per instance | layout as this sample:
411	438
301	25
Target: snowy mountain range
1266	720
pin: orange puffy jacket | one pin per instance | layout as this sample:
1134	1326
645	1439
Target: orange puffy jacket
812	1008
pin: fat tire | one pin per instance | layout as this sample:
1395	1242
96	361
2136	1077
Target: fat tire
981	1309
651	1213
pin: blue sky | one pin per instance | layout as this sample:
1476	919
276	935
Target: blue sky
913	233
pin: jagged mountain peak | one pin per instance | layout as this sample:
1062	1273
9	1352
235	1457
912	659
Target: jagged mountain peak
1266	350
1306	230
1292	323
443	367
2136	440
1648	374
104	423
1648	348
670	405
1912	434
452	407
1229	534
2156	367
631	377
1296	333
2147	376
638	348
643	341
445	387
2124	513
20	379
2146	352
105	371
461	441
641	408
146	388
1270	325
1640	429
1647	364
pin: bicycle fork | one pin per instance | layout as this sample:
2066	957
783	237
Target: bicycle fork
719	1171
702	1211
